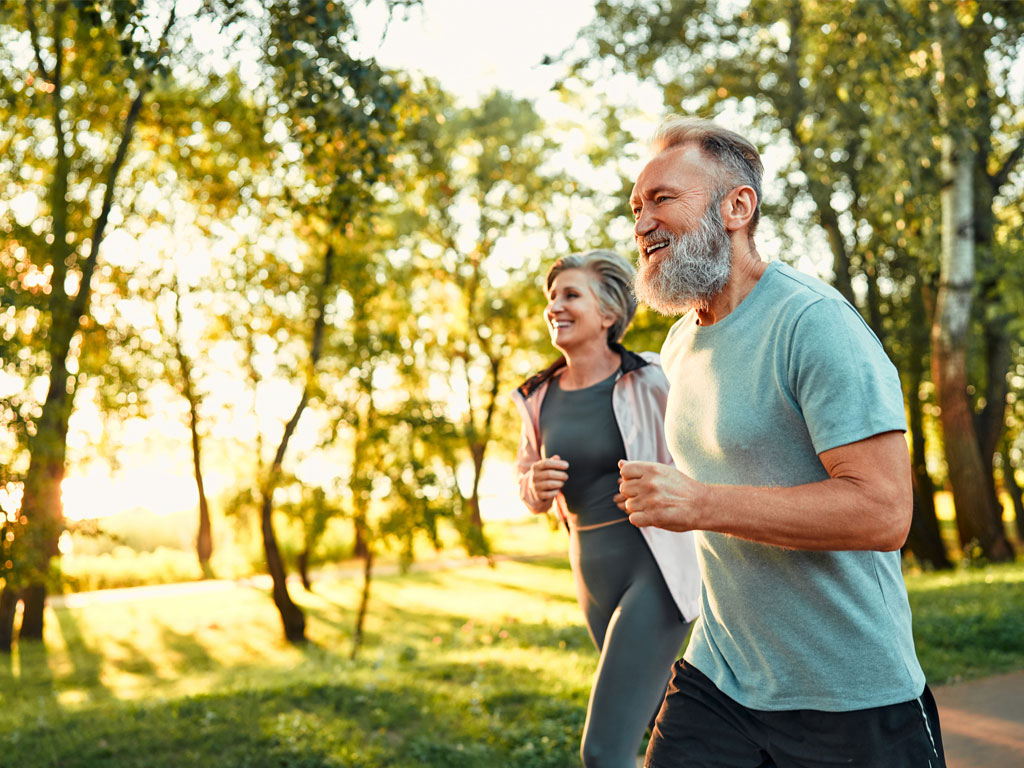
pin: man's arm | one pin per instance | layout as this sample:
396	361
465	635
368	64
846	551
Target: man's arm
866	503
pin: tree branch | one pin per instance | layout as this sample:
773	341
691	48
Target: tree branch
33	33
1000	177
88	267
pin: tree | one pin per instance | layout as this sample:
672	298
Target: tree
75	77
966	108
337	114
843	84
480	198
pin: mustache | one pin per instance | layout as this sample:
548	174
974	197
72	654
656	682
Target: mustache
658	236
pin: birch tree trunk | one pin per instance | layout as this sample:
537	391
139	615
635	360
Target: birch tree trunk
968	475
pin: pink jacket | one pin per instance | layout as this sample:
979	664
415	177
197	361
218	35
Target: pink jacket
638	399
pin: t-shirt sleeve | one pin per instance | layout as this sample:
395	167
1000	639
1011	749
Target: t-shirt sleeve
840	377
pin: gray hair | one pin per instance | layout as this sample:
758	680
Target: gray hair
739	163
612	285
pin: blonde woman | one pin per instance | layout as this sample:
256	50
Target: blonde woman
596	405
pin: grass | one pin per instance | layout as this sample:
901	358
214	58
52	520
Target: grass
95	563
970	622
463	667
474	666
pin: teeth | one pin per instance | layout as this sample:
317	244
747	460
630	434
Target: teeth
649	249
560	324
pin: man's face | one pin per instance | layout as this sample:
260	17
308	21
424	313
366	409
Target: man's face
685	251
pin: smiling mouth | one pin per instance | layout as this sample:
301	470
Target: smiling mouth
649	247
556	324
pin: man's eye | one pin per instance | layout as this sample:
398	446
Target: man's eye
661	198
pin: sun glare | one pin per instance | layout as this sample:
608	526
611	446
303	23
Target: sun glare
99	494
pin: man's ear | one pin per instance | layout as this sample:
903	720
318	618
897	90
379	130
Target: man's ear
738	208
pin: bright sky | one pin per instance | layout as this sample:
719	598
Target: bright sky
472	46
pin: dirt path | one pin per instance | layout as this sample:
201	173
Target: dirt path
983	722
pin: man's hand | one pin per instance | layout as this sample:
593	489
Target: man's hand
659	495
547	476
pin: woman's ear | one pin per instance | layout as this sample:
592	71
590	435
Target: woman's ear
738	208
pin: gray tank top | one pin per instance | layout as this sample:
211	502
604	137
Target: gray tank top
579	425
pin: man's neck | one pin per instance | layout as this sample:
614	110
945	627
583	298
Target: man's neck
747	269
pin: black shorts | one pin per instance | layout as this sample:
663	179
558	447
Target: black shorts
700	727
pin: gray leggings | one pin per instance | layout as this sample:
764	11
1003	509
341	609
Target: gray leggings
637	627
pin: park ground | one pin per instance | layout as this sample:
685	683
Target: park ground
467	666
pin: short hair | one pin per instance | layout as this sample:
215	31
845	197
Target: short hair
613	285
738	160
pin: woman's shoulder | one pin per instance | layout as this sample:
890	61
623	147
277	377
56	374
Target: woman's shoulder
648	371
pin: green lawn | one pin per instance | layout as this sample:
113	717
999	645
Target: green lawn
473	666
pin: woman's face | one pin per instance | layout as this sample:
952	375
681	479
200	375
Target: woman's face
573	314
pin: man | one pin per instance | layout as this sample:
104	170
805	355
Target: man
785	421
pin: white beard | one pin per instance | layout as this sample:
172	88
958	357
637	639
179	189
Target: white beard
694	272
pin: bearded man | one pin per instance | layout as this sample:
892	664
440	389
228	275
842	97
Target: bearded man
786	425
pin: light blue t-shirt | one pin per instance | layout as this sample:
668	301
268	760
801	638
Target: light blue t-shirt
791	372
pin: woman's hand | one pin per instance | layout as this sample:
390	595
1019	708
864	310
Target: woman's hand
547	476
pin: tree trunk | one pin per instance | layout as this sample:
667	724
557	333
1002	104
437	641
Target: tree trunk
995	319
41	503
924	539
364	603
204	535
292	618
359	545
303	568
8	607
990	422
1014	490
33	598
291	615
968	474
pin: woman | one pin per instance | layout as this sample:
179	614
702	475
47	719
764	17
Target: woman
599	403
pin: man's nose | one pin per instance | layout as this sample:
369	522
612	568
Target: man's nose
644	225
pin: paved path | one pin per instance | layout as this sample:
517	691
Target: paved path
983	722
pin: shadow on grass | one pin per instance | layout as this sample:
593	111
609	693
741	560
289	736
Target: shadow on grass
86	662
31	677
415	633
543	594
192	655
377	723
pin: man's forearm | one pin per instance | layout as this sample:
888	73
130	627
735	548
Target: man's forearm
865	503
834	514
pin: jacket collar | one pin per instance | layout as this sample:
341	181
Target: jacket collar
631	361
